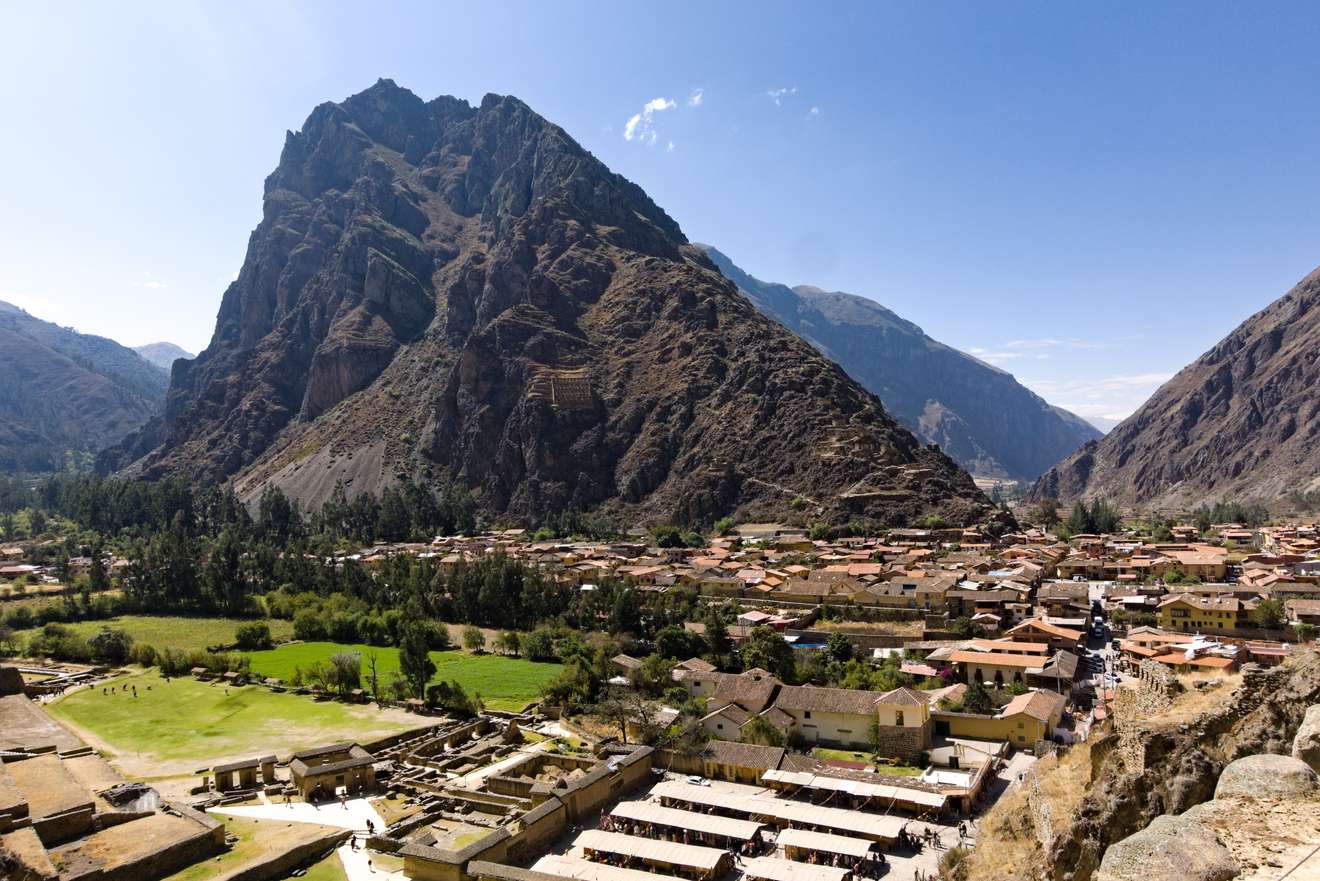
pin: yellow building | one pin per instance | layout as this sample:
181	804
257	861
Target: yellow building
1185	613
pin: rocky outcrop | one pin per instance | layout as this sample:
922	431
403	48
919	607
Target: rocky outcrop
1306	745
463	294
1182	763
1267	776
1239	423
1169	849
67	395
980	415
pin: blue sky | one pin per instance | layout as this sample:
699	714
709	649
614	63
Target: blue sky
1089	197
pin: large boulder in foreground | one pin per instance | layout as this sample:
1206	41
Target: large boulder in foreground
1171	848
1306	745
1267	776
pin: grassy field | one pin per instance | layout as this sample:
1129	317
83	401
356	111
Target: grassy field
503	683
176	632
176	727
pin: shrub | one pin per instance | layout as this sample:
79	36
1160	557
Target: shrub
253	636
452	698
111	645
308	626
172	662
473	639
142	654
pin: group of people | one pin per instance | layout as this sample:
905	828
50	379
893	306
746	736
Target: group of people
120	689
754	846
913	841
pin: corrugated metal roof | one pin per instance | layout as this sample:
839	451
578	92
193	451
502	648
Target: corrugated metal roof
772	869
874	826
853	847
648	812
860	788
669	852
586	870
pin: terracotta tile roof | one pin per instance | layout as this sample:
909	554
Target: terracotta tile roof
845	701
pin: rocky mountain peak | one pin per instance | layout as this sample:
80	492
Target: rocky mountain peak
1238	423
977	413
466	294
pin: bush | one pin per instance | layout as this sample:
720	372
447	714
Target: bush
539	645
142	654
473	639
308	626
253	636
452	698
172	663
110	645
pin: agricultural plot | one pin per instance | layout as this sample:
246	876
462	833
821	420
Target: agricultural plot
504	683
175	632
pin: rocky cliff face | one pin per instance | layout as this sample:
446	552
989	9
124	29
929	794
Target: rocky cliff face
1242	422
464	293
980	415
66	395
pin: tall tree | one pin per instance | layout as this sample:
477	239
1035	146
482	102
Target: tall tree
415	662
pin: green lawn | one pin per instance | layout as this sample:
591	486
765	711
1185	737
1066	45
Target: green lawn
503	683
184	724
844	755
329	869
176	632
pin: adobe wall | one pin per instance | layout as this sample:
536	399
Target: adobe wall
541	827
902	741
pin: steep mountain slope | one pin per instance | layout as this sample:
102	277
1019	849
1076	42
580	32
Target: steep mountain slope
163	354
67	395
978	414
1242	422
464	293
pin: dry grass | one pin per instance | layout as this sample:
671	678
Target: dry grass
1194	702
1007	846
897	628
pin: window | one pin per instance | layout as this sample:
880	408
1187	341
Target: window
898	717
807	714
719	725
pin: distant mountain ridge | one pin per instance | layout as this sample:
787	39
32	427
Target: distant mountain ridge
464	295
67	395
163	354
1240	423
980	415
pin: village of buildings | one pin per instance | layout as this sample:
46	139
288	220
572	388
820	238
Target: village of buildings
865	784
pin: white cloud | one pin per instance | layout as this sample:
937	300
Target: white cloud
1068	342
813	112
150	283
639	126
697	96
1110	397
991	357
778	95
669	148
